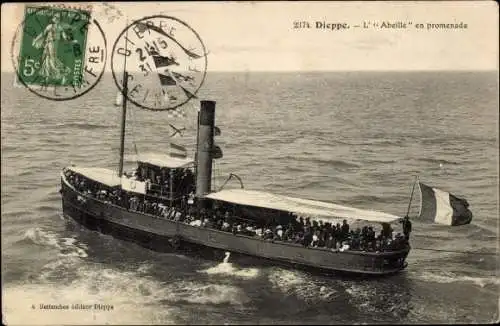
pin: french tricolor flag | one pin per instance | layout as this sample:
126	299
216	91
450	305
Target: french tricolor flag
442	207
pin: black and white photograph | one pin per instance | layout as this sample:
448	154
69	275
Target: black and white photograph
253	162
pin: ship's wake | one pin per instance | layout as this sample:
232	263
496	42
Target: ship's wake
135	295
227	268
295	283
68	247
449	277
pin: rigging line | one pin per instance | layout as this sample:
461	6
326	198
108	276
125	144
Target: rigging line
132	122
217	172
213	174
411	196
456	251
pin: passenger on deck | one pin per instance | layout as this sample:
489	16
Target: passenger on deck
364	232
166	188
250	230
177	216
399	241
333	231
82	185
315	225
226	227
147	206
338	232
308	236
356	239
371	236
315	240
220	222
288	232
322	238
279	232
386	231
268	234
330	242
406	227
227	218
345	230
345	246
195	223
299	237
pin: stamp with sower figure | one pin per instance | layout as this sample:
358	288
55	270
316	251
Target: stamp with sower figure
59	53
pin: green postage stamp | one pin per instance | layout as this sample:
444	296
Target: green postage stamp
52	46
59	53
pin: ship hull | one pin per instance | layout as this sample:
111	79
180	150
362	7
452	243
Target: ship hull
166	235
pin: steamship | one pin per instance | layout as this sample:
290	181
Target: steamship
81	189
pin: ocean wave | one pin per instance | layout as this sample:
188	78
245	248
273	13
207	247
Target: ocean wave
294	169
47	209
372	142
378	300
215	294
318	160
295	283
7	148
135	285
84	126
27	173
458	139
68	247
450	277
62	270
309	185
437	161
364	199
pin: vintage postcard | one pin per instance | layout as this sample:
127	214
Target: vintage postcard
254	162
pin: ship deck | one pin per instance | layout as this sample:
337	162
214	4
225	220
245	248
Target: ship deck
163	234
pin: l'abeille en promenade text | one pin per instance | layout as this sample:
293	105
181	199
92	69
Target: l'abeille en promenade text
377	25
76	306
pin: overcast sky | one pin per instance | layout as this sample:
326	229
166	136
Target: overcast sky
260	36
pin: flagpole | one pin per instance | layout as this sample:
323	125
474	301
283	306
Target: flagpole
411	196
124	108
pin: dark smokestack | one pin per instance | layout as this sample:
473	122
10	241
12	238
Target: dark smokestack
205	144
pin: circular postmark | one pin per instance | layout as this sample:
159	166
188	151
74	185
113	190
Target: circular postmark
58	53
164	60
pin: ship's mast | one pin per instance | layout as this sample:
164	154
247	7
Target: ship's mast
124	108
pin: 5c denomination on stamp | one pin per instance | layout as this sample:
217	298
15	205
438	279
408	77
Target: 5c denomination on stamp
165	61
59	53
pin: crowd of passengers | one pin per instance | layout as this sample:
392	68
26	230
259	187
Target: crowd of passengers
181	180
307	233
337	237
